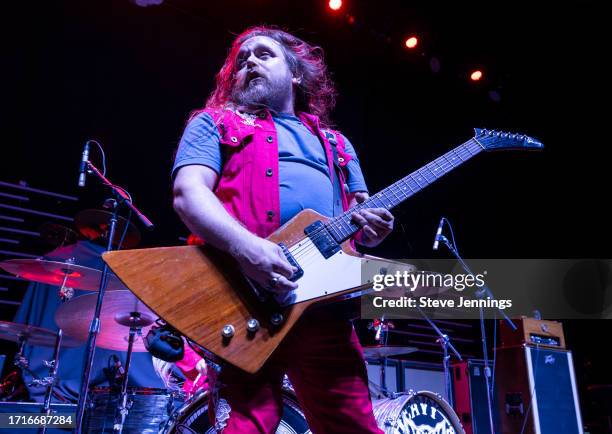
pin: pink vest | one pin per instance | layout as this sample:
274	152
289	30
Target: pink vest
249	186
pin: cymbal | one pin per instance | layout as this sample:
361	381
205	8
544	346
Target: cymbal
53	273
32	335
94	224
58	235
120	309
381	351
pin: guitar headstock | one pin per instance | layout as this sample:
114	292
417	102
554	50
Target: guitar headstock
492	140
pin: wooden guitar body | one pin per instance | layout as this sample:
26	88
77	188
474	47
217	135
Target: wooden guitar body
199	290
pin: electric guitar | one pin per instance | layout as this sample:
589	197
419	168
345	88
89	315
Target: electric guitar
200	291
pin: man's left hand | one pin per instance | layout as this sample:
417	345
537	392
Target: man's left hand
376	224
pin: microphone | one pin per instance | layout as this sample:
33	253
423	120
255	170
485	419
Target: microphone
438	234
83	166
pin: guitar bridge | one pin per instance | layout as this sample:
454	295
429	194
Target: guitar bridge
300	272
263	294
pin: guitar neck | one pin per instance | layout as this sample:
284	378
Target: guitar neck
342	227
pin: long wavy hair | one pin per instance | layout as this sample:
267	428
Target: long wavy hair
315	94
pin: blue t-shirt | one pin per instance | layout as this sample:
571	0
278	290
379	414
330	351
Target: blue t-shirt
303	172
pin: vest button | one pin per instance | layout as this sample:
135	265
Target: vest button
268	172
234	139
269	139
270	215
341	160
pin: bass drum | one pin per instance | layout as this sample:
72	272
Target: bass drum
193	417
416	413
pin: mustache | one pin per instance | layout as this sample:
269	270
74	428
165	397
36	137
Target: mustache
252	76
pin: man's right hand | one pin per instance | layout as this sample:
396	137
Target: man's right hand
265	263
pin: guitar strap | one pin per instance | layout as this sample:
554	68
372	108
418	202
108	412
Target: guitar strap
333	141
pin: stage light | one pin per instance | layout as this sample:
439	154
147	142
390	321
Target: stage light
476	75
412	42
335	4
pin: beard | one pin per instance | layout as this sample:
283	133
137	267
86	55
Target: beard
261	92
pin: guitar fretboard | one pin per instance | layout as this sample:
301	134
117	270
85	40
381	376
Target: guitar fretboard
342	227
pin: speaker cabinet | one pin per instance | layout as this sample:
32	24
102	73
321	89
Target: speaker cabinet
536	391
470	392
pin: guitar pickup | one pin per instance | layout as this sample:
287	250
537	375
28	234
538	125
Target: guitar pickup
322	239
300	272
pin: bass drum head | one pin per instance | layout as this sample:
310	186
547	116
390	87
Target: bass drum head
193	418
416	413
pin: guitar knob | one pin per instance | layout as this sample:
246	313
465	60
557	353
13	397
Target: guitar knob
228	331
252	325
277	319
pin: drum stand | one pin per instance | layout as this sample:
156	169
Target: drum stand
381	336
123	406
48	381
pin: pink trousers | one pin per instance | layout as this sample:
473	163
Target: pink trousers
324	362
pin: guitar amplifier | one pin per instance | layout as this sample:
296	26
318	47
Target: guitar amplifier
536	391
533	332
470	393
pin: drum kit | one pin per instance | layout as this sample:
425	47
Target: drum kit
406	412
123	318
123	322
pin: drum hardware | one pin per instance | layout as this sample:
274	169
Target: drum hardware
51	380
382	353
26	334
482	292
120	310
122	406
119	197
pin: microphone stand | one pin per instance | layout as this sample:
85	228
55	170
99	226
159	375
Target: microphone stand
445	343
120	198
481	293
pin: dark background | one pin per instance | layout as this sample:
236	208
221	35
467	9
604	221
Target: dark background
129	76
